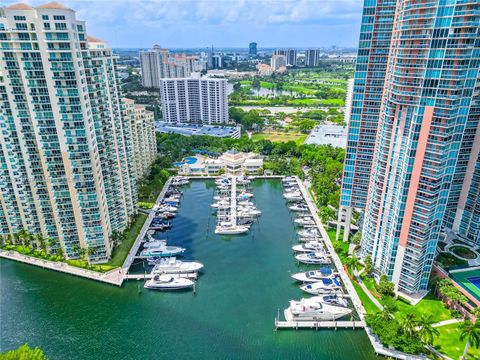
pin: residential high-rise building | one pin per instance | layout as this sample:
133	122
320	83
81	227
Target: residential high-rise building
142	130
278	61
199	100
374	45
312	57
252	48
65	149
158	63
425	150
290	54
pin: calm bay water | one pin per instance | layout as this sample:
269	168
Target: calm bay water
246	280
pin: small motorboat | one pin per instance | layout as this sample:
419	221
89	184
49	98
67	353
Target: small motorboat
309	246
221	205
168	282
288	179
315	258
165	215
174	266
324	286
300	207
314	275
168	208
314	309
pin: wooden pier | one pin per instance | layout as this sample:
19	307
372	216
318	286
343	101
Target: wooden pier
150	276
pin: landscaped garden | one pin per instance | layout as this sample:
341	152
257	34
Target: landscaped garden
463	252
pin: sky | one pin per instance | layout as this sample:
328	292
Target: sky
221	23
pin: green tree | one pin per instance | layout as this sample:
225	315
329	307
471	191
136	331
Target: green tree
385	287
409	323
368	265
353	262
24	352
425	329
470	331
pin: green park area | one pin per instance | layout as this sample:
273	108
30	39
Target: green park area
280	136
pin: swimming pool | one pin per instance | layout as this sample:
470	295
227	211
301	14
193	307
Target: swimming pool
188	160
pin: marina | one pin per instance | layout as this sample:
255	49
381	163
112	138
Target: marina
246	279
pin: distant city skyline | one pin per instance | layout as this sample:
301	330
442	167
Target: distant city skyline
226	23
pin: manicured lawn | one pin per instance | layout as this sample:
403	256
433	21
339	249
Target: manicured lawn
428	305
449	343
448	260
368	304
121	251
299	138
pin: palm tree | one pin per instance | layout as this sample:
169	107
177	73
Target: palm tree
471	332
89	252
425	329
409	323
52	242
353	262
387	313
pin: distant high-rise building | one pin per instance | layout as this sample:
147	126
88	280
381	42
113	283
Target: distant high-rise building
278	61
290	54
158	63
142	130
199	100
217	62
252	48
424	169
66	169
312	57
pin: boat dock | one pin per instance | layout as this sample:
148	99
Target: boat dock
233	201
279	324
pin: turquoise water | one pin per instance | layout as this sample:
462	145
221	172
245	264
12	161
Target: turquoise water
231	316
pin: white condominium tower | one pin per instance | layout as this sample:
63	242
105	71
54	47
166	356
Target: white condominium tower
194	100
157	63
142	129
66	168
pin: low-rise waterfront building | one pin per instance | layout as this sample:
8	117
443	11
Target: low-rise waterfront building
231	162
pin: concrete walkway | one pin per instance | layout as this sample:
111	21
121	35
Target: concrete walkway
113	277
136	245
447	322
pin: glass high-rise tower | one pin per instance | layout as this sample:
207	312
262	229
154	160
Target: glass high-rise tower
66	167
417	170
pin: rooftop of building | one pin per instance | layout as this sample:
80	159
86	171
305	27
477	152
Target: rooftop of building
51	5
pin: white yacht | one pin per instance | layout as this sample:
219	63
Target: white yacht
288	179
303	221
333	299
293	196
324	286
168	282
168	208
309	233
314	309
225	228
174	266
154	243
315	275
221	205
309	247
162	251
315	258
299	208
